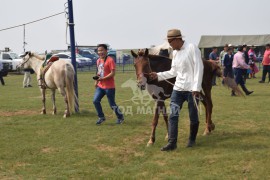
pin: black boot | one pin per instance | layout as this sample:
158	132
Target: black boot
193	134
233	93
169	147
245	90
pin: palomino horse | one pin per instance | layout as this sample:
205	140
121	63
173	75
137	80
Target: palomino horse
145	63
59	76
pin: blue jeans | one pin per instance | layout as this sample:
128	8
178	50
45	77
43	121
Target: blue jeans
238	75
177	100
110	93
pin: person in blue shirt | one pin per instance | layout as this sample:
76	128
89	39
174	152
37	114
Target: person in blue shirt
213	56
228	70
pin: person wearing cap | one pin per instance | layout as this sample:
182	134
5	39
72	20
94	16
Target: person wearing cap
222	53
228	70
266	63
214	57
187	67
233	49
240	67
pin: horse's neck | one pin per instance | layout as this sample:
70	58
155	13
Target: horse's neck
159	63
36	64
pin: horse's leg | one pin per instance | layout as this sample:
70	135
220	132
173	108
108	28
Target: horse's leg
53	101
64	94
154	125
204	101
43	92
208	109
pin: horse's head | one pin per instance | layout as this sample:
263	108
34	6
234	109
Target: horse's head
216	68
25	62
28	57
142	67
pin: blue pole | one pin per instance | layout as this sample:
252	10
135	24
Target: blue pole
72	50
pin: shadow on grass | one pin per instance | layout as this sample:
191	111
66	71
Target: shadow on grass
241	140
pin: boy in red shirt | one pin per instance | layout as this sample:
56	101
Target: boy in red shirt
105	85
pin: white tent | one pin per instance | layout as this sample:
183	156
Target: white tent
220	41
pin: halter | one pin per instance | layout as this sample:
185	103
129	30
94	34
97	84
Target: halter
20	65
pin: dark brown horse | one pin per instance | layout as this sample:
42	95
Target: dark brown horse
145	63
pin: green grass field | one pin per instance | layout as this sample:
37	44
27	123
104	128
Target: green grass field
34	146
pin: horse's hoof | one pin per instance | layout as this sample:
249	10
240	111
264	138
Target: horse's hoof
43	112
213	126
150	143
206	133
66	115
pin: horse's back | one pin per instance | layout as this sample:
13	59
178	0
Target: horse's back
58	72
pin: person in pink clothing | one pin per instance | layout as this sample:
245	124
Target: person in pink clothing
240	67
252	51
266	63
252	60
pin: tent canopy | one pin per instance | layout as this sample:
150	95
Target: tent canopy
220	41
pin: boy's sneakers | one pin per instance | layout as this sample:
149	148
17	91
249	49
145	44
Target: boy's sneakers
119	121
100	120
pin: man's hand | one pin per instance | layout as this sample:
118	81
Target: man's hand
153	75
196	94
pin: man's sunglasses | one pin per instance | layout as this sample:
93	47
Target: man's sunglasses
170	40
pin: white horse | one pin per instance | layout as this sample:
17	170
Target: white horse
59	76
165	46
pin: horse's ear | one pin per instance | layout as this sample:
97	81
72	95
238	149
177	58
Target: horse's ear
146	52
134	54
26	53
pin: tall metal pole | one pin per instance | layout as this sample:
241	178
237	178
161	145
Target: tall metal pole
24	43
72	49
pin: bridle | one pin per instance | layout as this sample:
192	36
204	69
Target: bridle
24	62
148	79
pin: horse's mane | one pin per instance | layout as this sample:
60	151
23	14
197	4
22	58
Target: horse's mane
158	58
39	57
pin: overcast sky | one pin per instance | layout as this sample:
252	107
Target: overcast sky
126	24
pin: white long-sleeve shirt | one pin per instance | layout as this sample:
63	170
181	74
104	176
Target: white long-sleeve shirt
187	67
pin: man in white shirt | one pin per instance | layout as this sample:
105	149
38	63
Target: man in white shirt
187	67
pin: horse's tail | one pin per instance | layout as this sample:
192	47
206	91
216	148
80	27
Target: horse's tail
230	83
69	81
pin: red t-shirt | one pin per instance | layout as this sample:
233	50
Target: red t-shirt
104	70
266	59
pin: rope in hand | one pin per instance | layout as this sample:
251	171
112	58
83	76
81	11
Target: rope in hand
195	98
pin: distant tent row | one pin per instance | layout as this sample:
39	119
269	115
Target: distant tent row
207	42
